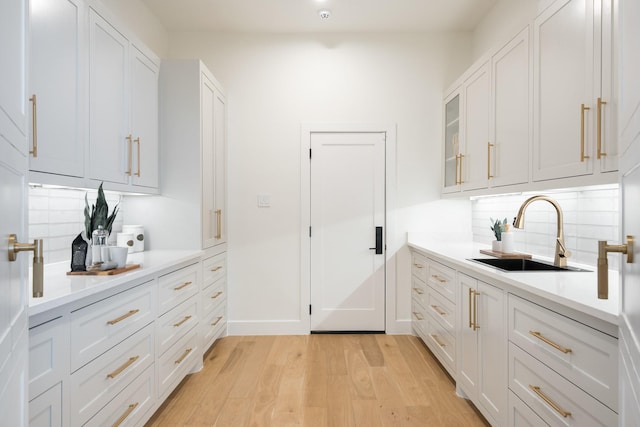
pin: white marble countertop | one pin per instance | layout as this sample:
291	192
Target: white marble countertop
576	290
60	289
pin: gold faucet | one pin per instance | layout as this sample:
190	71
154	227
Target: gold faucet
561	255
603	264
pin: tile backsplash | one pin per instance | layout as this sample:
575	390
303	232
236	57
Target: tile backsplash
57	216
589	215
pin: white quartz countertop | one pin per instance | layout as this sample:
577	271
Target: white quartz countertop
576	290
60	289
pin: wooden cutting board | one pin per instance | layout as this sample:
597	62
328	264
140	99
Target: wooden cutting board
111	272
514	255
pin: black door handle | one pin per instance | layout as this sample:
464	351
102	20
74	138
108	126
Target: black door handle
378	247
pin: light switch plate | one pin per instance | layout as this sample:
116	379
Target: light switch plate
264	200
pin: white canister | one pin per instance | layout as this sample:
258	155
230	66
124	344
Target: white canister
125	240
507	243
138	236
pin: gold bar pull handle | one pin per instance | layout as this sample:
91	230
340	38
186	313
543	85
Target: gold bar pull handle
38	261
417	265
184	319
489	145
124	366
216	268
418	315
546	340
456	183
218	319
34	126
218	213
126	413
536	389
600	153
439	278
583	108
418	291
437	340
461	181
184	355
184	285
129	154
603	263
137	141
439	310
475	310
216	295
121	318
470	305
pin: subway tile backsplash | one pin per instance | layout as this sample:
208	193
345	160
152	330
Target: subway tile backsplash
57	217
589	215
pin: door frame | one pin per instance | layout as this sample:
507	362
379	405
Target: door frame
391	320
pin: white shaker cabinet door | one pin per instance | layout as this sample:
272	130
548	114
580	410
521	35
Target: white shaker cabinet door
110	145
475	135
56	86
220	153
209	215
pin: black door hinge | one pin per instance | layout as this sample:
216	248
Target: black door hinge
309	309
309	152
309	231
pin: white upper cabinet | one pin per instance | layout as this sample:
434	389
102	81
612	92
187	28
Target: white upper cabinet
472	161
56	86
573	119
451	168
508	145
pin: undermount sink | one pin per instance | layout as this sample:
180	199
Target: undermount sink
513	264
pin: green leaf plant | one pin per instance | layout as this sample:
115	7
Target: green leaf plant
98	215
498	227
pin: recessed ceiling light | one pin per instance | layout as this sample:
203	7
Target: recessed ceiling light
324	13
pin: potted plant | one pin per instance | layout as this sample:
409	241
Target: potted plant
497	227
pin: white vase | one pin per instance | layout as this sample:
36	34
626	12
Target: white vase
496	246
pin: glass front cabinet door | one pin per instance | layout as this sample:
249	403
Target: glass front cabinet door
452	170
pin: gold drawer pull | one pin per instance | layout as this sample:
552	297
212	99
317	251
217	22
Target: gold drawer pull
218	213
583	156
125	414
218	267
439	278
217	321
124	366
418	315
436	339
184	285
124	316
551	343
439	310
549	402
175	325
418	291
129	154
217	294
185	354
417	265
34	126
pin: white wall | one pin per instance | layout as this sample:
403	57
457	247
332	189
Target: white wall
276	82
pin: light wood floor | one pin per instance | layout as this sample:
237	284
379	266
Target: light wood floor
318	380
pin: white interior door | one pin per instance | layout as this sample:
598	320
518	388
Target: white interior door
347	207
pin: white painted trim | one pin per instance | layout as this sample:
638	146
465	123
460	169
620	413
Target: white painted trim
267	327
393	326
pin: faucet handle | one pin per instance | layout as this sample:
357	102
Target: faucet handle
564	253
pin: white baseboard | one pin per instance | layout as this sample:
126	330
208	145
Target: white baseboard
297	327
399	327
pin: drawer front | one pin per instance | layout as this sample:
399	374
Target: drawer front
557	401
173	325
583	355
443	345
419	290
442	310
97	383
418	316
419	266
131	407
214	296
214	325
100	326
213	269
177	362
520	415
176	287
46	409
48	344
443	279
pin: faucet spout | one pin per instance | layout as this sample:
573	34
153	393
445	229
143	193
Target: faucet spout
561	253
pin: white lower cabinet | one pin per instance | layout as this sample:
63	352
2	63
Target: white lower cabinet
213	301
520	415
177	362
482	347
46	409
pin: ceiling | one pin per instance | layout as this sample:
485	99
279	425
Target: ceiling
301	16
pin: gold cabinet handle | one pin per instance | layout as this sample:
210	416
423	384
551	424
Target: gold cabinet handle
437	340
213	270
583	108
129	154
218	213
418	315
184	285
418	291
34	126
439	310
175	325
546	340
217	321
125	414
137	141
489	145
439	278
600	153
124	316
124	366
536	389
603	262
456	183
184	355
459	169
38	261
418	265
470	305
216	295
475	310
